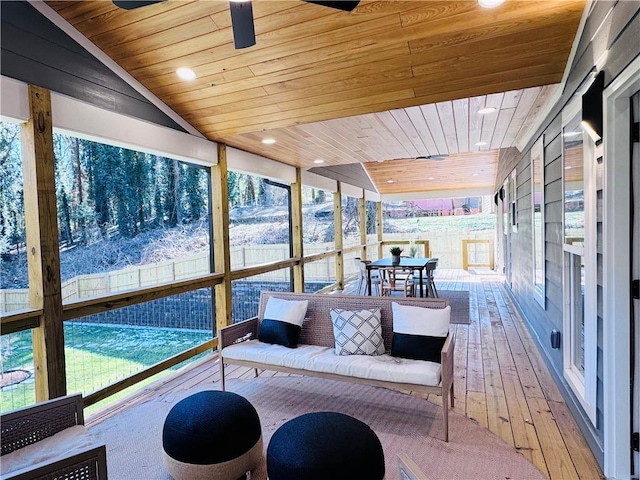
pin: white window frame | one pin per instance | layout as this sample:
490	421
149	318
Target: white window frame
513	200
539	290
582	385
616	292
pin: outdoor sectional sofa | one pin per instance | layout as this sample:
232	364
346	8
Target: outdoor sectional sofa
315	353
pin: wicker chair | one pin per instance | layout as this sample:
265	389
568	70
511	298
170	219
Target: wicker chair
30	425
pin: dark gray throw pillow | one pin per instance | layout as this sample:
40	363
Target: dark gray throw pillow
417	347
419	333
279	333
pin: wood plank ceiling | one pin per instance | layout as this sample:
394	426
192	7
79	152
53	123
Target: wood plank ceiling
391	80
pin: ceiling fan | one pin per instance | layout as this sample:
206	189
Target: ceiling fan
244	34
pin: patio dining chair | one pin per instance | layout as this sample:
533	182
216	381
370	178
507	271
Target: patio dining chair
396	279
428	278
363	277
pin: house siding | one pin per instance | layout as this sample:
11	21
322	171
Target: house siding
613	27
37	52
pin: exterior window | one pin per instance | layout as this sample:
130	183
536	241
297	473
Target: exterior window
537	174
580	267
512	201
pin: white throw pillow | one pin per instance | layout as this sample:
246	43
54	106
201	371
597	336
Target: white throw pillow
433	322
357	332
290	311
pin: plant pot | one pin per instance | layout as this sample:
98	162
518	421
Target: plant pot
395	259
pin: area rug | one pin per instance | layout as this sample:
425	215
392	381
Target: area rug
459	301
404	424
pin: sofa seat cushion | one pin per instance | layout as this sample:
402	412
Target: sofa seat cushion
324	360
61	445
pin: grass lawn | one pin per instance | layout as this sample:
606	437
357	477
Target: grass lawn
96	356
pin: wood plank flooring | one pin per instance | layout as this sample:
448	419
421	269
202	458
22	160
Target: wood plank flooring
501	381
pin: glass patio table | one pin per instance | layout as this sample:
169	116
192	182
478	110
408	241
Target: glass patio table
407	263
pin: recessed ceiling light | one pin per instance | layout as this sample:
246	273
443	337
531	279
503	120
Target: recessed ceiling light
490	3
431	178
484	111
186	73
481	144
475	174
390	181
319	160
268	141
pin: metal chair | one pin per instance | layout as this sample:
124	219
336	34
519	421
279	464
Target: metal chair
428	278
363	277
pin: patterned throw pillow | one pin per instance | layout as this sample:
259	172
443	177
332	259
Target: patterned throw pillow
357	332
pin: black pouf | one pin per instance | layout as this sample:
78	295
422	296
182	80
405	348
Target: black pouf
213	435
325	445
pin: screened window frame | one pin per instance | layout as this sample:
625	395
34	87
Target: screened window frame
539	289
583	385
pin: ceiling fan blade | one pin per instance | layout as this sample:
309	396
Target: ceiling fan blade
131	4
346	6
244	33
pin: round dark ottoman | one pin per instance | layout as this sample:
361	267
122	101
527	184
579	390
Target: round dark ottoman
213	435
325	445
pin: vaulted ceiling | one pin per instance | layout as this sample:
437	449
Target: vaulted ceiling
381	85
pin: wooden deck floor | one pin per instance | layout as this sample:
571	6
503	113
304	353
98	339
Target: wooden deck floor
501	381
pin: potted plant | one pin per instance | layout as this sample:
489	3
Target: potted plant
395	254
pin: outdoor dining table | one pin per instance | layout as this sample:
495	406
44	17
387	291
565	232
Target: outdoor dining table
412	263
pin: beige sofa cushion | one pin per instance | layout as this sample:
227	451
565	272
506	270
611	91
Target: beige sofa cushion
324	360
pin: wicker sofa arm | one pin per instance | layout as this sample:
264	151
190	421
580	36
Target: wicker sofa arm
446	357
29	425
245	330
87	464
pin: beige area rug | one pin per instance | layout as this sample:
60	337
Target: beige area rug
459	301
403	423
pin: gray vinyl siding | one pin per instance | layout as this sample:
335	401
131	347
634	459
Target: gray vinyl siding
613	26
37	52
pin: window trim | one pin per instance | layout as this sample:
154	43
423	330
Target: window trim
513	200
539	292
583	386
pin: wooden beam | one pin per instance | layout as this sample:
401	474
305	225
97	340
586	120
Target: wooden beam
18	320
337	228
91	306
296	224
221	254
254	270
38	164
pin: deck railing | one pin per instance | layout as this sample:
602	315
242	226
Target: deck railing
152	311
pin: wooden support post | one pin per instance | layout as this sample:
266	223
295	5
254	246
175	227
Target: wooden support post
465	254
363	226
296	223
221	253
338	238
379	226
45	290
